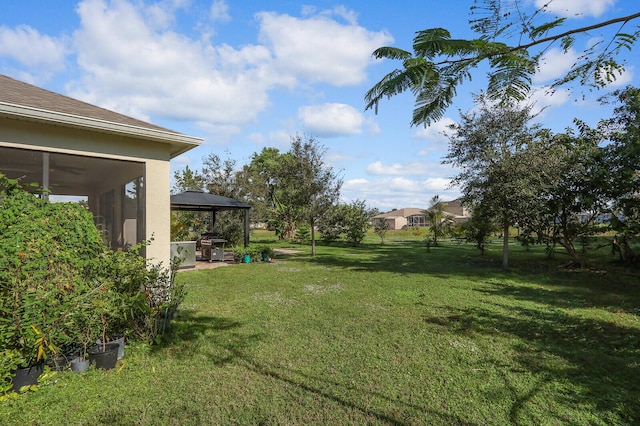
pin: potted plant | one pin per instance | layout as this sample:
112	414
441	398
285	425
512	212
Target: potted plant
242	254
85	328
24	361
267	253
106	308
26	324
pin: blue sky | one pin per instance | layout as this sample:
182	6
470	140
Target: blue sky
245	75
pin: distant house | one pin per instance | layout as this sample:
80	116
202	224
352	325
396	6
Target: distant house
117	165
410	217
398	219
457	211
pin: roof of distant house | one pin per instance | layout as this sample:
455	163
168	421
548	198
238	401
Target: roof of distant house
406	212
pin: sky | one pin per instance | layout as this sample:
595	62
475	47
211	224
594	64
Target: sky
249	74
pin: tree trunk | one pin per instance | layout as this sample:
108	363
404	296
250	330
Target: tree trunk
505	246
313	238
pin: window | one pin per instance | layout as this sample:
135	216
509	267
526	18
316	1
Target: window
416	220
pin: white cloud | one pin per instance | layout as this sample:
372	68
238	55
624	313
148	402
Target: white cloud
141	70
373	127
413	168
435	135
320	49
544	98
146	69
280	139
390	193
436	184
555	63
220	11
331	119
181	161
37	51
356	183
593	8
624	78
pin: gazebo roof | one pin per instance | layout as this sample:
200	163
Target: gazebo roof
202	201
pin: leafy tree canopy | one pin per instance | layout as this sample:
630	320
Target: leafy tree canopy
511	42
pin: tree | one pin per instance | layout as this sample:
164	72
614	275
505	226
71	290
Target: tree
332	225
307	187
356	221
570	185
488	146
438	220
381	228
623	157
258	180
441	63
186	180
478	228
186	225
218	177
350	220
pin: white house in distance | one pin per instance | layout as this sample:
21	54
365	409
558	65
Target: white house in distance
117	164
410	217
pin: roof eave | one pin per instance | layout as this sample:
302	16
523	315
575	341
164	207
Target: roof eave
178	142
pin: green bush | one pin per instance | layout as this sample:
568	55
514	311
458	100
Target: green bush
254	252
47	248
59	283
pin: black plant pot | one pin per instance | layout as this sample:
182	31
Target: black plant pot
119	339
26	376
106	359
59	363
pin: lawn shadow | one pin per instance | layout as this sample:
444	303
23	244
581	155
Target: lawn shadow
544	280
333	391
413	257
410	257
218	339
601	357
582	289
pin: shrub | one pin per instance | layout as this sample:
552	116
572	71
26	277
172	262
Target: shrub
60	284
47	248
303	233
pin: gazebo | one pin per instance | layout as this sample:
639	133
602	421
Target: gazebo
196	200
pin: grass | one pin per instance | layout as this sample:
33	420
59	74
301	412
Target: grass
381	334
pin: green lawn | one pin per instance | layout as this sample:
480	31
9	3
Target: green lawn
381	334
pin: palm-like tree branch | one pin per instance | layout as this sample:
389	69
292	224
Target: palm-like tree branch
433	82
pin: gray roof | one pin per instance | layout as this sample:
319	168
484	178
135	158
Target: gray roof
406	212
20	93
23	101
200	200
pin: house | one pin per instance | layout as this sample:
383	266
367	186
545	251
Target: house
117	165
398	219
457	211
410	217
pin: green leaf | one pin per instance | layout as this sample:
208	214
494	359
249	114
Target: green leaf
567	43
544	28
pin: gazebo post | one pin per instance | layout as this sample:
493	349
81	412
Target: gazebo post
246	227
